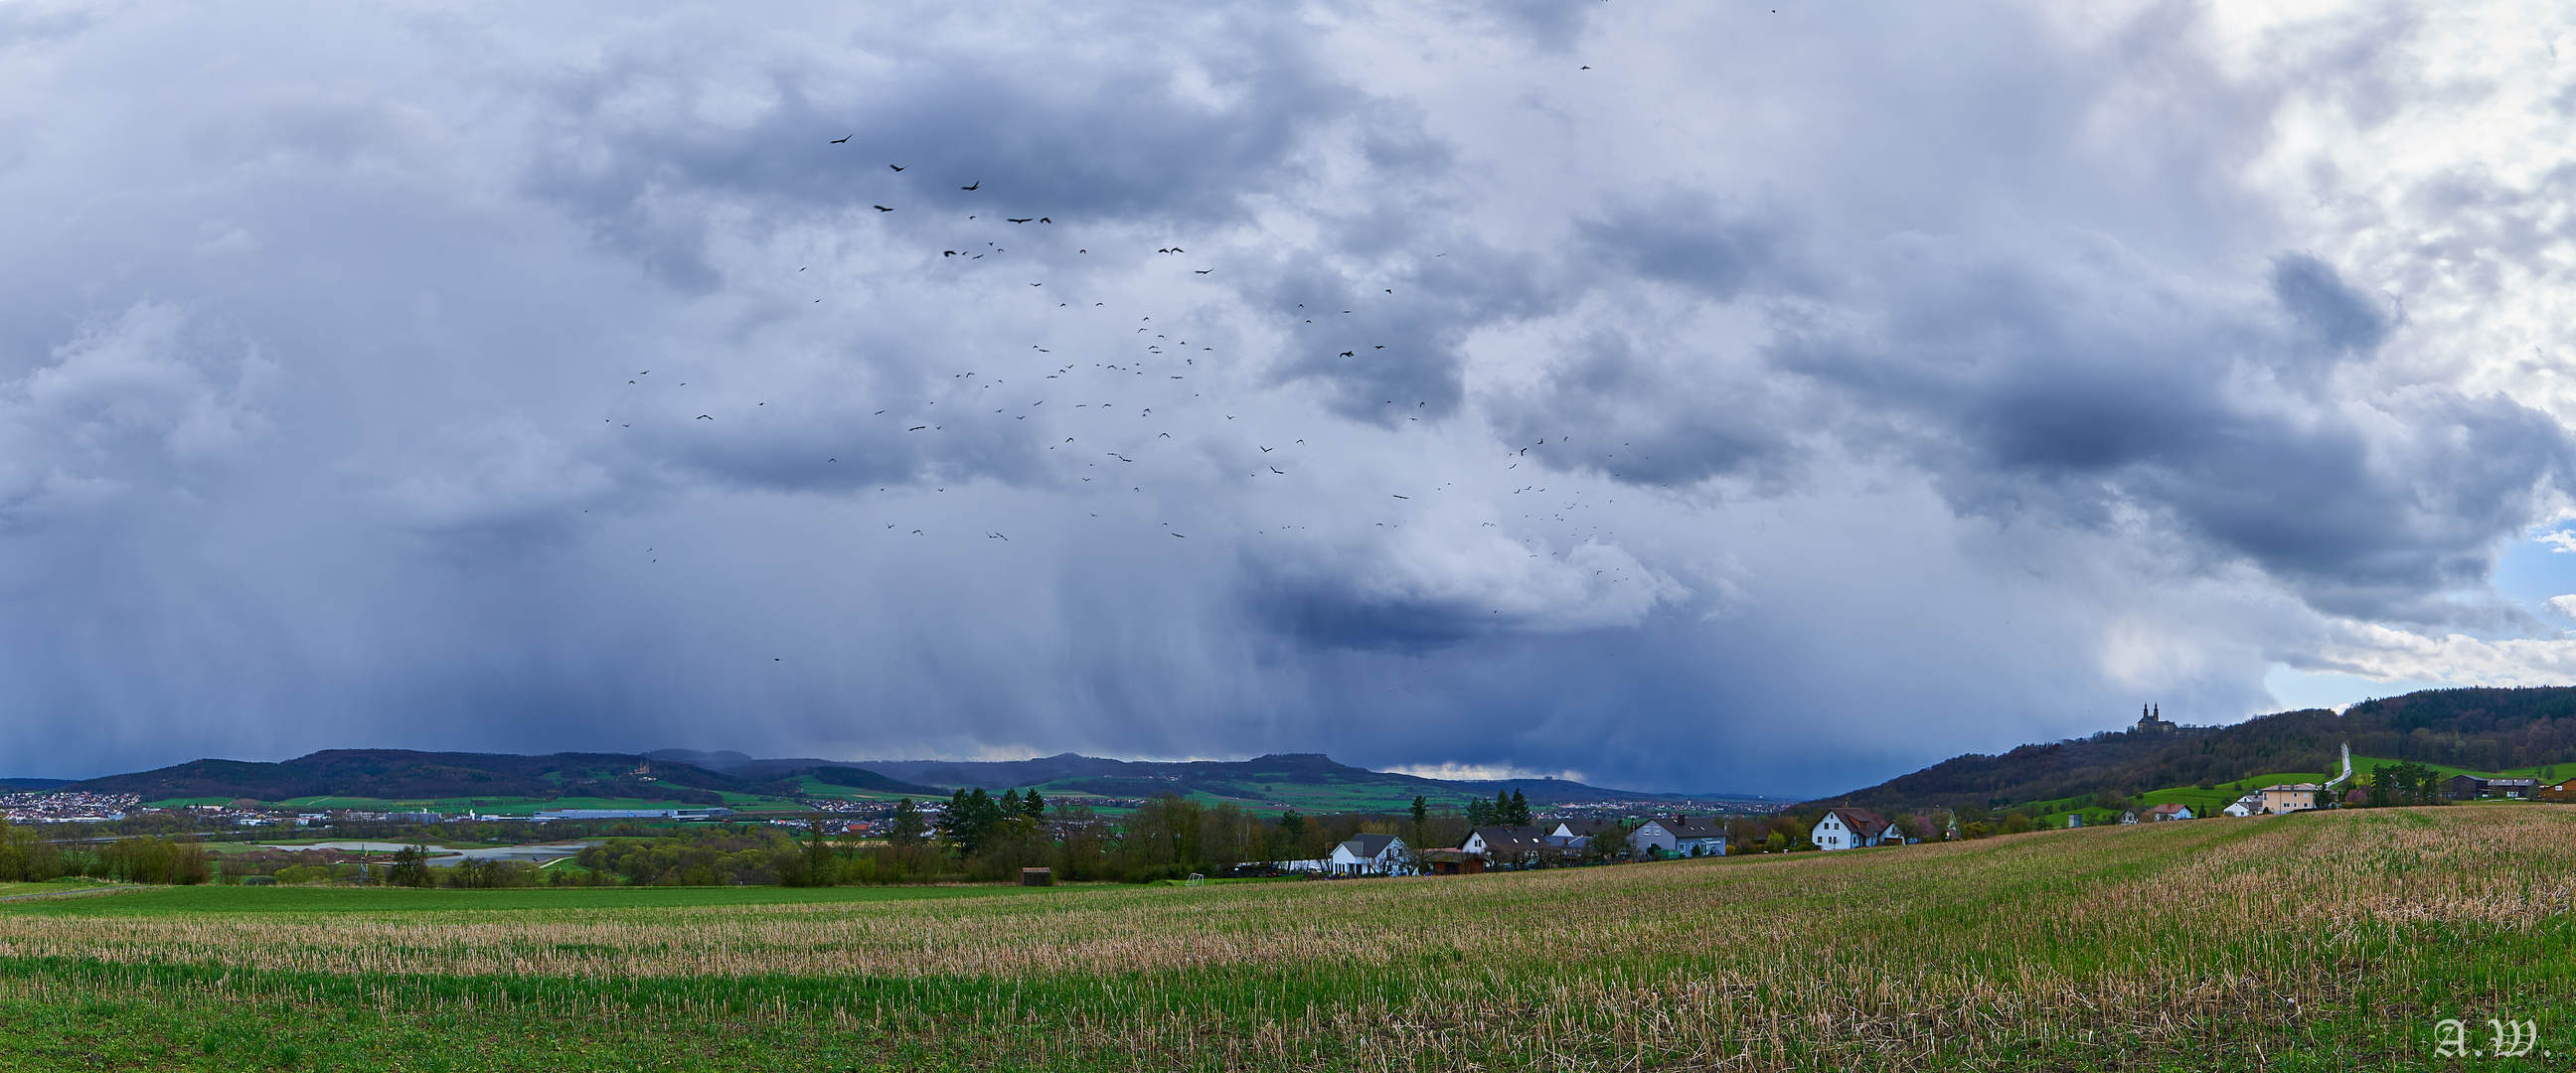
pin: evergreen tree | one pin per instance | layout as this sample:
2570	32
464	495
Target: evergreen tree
1421	810
1033	806
1480	812
908	827
970	820
1519	816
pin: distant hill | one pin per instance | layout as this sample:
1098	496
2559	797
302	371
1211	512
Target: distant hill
401	774
33	784
2477	729
1241	779
857	779
1309	781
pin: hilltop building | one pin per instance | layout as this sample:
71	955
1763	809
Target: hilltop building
2151	720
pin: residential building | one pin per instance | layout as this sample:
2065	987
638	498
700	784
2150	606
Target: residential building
1853	828
2130	816
2248	805
2169	811
1372	855
1579	836
1680	836
1500	846
2290	797
2563	790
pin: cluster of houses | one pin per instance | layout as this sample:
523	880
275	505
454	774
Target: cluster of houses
1840	828
1522	847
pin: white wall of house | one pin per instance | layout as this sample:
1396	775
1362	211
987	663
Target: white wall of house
1830	833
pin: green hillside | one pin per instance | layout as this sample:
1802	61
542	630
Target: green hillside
2520	731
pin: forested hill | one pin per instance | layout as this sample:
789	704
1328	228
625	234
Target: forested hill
2478	729
1075	773
403	774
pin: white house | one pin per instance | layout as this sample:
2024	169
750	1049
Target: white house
1680	836
1372	855
1853	828
2169	811
2248	805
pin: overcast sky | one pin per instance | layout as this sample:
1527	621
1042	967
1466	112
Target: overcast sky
1673	395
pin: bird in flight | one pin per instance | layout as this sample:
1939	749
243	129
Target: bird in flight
976	183
1044	220
841	139
1205	271
897	167
1021	220
881	208
703	417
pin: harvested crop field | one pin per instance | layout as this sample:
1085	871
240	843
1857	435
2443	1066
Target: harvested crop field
2319	941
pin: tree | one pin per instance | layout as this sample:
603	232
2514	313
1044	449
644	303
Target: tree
1519	814
969	820
1421	818
1480	812
1292	829
908	827
410	868
1033	806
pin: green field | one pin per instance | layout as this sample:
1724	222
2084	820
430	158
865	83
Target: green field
2322	941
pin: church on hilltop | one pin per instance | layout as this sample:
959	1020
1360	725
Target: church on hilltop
2151	720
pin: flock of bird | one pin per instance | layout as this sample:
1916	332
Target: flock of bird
1114	402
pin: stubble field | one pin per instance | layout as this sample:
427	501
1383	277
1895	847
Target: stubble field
2326	941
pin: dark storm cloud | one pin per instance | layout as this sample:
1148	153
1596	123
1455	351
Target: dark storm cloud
1384	383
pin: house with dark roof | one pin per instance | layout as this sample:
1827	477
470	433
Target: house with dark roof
1508	846
1854	828
1372	855
1583	836
1679	836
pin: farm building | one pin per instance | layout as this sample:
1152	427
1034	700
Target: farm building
2564	790
1853	828
1680	836
1451	862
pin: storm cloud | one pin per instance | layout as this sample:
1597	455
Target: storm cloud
1676	396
